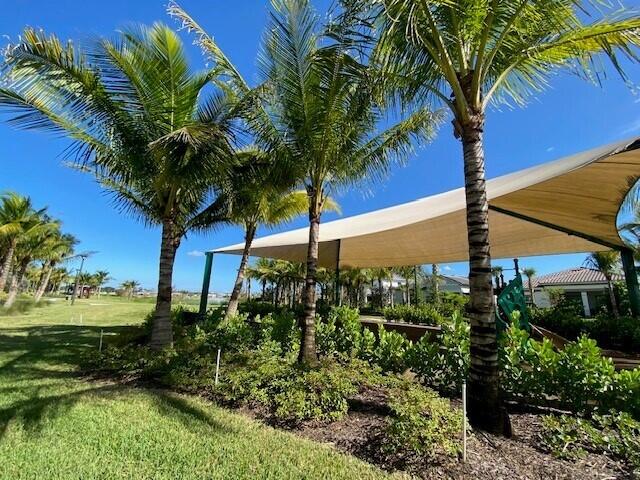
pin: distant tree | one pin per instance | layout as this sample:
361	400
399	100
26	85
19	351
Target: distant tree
18	220
530	273
130	287
101	277
607	263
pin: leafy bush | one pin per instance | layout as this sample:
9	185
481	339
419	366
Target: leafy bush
578	377
342	333
426	314
443	365
23	304
255	308
391	350
565	319
616	434
451	302
282	327
423	422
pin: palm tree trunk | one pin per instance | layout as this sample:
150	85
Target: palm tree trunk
8	260
44	282
308	347
612	298
16	282
232	307
485	408
162	330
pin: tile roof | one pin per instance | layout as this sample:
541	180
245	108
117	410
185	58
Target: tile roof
572	276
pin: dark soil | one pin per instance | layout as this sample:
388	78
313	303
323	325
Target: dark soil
362	434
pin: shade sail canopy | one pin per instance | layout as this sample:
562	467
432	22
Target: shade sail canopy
565	206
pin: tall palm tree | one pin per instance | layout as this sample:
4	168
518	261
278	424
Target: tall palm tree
435	283
407	273
18	220
140	121
607	263
530	272
466	55
58	248
380	274
317	109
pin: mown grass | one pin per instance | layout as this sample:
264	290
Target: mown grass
55	424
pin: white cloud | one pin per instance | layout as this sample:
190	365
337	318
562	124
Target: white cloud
195	253
551	149
447	268
631	128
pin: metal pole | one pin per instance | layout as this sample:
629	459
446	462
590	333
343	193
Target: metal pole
206	282
631	278
337	292
75	286
464	421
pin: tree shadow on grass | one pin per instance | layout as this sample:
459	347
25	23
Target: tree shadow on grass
43	360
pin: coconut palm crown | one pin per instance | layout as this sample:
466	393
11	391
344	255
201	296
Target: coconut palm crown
139	121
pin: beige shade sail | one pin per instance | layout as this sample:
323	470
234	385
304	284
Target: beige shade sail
566	206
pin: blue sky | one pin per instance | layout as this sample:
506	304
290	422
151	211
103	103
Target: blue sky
570	117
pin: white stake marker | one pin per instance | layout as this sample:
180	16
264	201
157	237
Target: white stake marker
217	367
464	422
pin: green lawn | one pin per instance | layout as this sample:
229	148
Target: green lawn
55	425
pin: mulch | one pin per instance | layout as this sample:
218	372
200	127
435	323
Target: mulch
362	433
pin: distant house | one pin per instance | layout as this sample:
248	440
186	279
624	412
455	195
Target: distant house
585	285
448	283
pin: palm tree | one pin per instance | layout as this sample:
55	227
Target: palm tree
317	110
32	245
497	272
381	274
259	200
607	263
407	273
57	249
435	282
530	272
130	287
18	220
466	56
140	121
101	277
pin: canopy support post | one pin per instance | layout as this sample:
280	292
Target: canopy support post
337	289
206	281
631	278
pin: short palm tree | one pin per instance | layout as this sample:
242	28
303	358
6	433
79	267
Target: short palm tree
407	273
18	220
607	263
32	245
467	55
530	272
58	247
130	287
140	121
102	277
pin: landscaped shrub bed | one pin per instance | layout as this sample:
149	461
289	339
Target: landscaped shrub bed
433	313
259	370
565	319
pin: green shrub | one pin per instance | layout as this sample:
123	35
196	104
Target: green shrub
443	363
615	434
423	422
391	351
320	393
426	314
578	377
342	333
282	327
451	302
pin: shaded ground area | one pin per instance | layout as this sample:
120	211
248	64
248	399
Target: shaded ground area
56	425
